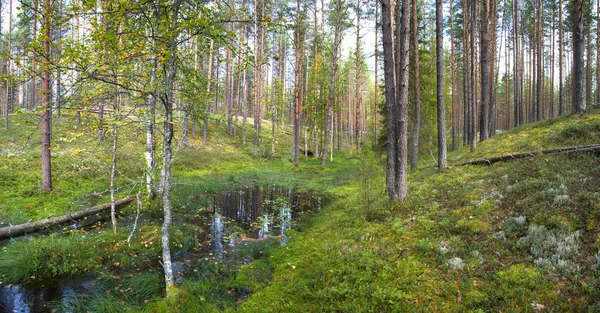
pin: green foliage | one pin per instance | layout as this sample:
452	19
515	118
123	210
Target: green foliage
46	258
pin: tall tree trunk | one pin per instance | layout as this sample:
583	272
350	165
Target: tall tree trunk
357	73
337	41
47	115
473	89
297	84
168	100
376	106
402	103
150	120
485	72
597	52
552	63
540	56
506	75
452	82
33	54
493	75
466	75
414	154
578	59
207	109
113	165
228	91
588	68
441	116
390	95
58	56
258	72
561	106
518	110
8	68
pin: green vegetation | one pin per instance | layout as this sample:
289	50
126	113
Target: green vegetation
516	236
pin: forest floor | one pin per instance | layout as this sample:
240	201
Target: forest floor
516	236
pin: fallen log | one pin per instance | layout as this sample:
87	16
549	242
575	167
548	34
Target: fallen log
509	157
28	227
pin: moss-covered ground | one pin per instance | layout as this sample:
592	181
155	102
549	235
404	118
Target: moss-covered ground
514	237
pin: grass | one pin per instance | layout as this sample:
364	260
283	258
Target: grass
563	131
516	236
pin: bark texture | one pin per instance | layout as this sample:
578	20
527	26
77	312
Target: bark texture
578	59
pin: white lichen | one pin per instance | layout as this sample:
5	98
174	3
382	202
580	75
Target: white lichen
562	199
552	249
456	263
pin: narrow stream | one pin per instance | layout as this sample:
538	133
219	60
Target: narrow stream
231	218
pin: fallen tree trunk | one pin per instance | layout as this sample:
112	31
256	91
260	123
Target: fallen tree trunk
35	226
508	157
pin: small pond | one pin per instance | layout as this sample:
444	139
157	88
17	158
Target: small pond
224	220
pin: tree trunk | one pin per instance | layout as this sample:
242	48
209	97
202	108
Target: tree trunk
58	55
518	111
337	41
376	106
552	63
228	91
390	95
414	154
452	82
578	59
33	55
597	52
561	107
8	67
441	116
168	100
493	75
588	68
150	120
473	98
258	74
357	73
207	109
402	103
485	72
47	115
466	75
28	227
113	166
297	84
540	56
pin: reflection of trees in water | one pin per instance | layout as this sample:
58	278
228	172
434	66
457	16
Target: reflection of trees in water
259	212
217	234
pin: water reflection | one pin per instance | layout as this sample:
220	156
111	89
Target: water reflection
252	214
